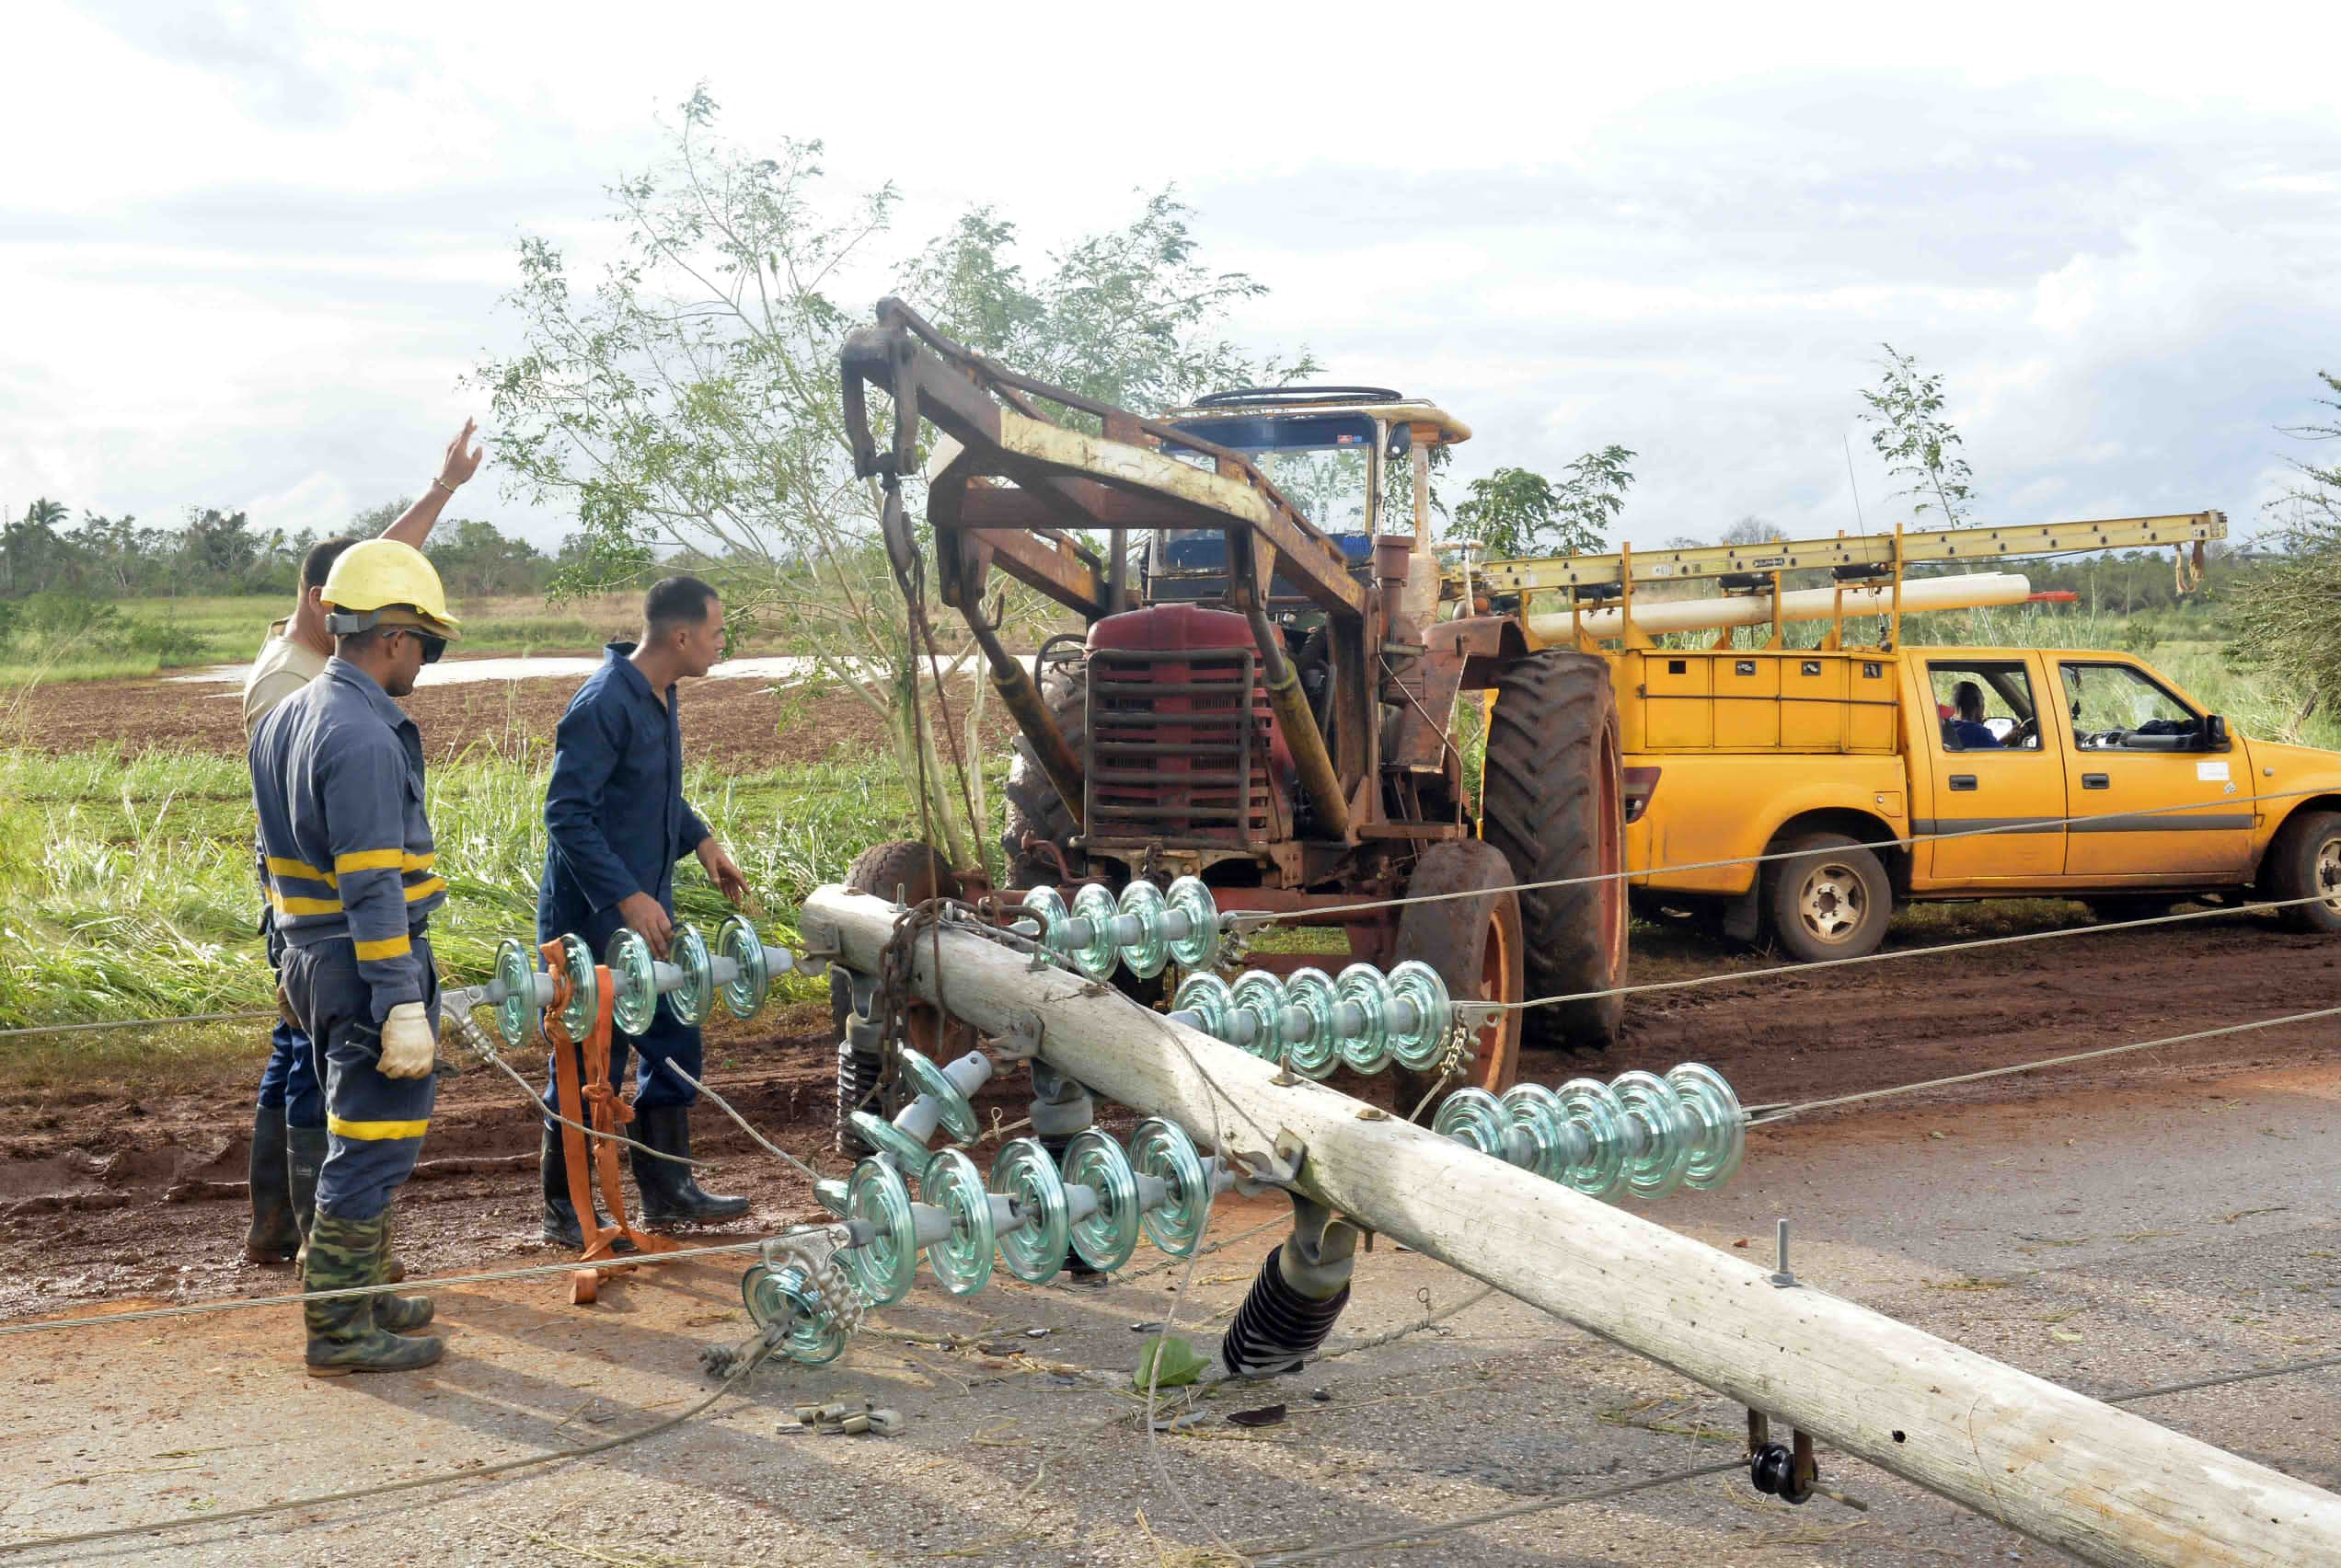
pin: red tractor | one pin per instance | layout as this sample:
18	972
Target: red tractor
1273	705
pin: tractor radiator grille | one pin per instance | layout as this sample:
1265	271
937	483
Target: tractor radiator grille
1178	746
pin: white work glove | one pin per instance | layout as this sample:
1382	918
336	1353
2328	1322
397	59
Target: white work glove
409	1046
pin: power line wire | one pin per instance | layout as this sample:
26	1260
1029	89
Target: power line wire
1726	976
1785	1113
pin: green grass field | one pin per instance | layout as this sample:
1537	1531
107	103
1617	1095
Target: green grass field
126	890
220	630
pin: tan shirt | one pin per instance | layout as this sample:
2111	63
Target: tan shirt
282	668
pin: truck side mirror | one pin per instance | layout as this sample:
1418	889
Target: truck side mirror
2214	732
1401	439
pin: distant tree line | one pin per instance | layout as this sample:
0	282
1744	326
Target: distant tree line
46	553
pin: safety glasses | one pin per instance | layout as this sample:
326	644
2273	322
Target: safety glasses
433	647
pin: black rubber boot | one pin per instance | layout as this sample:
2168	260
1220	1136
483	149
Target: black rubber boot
671	1194
304	1157
273	1237
344	1336
561	1229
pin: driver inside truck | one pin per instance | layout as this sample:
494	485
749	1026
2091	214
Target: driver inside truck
1965	729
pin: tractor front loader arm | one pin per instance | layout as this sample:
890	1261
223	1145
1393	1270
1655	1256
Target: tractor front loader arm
1056	477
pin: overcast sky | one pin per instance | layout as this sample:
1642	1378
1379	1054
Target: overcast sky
247	252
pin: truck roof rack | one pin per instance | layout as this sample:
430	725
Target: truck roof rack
1899	548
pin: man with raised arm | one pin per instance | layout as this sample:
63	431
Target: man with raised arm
616	823
288	1125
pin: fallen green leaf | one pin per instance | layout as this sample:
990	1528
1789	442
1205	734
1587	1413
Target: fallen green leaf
1167	1363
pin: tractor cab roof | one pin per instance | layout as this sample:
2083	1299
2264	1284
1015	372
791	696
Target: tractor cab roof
1262	418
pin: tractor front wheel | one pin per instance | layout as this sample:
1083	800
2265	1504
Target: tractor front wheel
1471	935
1034	808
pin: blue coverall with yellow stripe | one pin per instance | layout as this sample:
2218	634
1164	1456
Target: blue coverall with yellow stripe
337	780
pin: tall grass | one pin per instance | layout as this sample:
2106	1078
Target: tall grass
127	889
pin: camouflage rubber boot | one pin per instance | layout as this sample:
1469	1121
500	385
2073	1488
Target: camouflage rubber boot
399	1314
346	1254
273	1237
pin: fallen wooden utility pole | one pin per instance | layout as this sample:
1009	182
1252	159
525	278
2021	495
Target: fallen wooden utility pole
2101	1483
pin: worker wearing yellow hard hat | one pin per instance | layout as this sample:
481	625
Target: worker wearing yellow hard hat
289	1139
338	781
383	583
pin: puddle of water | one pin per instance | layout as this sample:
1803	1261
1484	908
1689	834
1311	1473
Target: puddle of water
459	672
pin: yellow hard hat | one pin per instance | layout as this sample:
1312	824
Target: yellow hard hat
384	582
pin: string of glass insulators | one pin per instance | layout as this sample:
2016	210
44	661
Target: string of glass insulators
1641	1134
738	971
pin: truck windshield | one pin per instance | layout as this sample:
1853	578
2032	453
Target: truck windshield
1319	461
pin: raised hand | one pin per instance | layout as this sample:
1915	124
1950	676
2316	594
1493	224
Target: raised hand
462	460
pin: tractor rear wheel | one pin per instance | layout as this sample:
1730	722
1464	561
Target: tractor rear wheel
1034	807
913	872
1475	944
1553	803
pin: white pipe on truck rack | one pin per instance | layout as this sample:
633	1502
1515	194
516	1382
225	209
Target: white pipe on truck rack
2104	1484
1651	617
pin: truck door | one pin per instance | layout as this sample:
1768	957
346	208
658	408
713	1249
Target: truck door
1991	767
2135	747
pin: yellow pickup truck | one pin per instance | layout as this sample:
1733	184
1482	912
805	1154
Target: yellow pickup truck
1885	776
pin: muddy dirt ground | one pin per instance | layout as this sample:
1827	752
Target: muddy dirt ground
1991	1213
731	723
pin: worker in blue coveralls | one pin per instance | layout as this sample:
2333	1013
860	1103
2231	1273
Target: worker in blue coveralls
288	1124
337	782
616	823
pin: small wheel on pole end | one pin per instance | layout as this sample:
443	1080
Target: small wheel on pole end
1474	1118
925	1078
1310	993
516	972
961	1260
634	983
1262	995
1597	1112
1719	1137
1096	957
1658	1169
1365	987
1162	1149
1105	1238
881	1269
737	940
694	998
584	988
1199	949
1023	1174
1147	956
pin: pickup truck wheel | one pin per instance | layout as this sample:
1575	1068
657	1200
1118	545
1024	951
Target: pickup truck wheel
1033	804
1832	900
2305	861
916	873
1553	803
1475	945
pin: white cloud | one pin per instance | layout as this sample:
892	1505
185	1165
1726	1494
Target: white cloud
262	267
